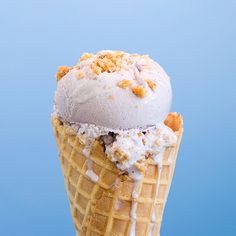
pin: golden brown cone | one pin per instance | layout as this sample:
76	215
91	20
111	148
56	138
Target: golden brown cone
103	208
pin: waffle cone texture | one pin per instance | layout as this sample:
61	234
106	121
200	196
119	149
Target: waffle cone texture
104	207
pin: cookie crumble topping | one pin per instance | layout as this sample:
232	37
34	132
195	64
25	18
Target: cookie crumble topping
62	71
125	83
107	62
152	85
121	155
139	91
86	56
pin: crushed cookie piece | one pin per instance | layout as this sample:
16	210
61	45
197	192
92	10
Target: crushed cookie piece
152	85
125	83
70	131
119	53
86	56
62	70
121	155
141	166
107	62
139	134
96	69
148	155
139	91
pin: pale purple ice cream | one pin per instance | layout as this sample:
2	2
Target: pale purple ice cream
83	96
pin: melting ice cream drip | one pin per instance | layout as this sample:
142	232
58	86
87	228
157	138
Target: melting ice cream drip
90	173
158	159
170	158
133	218
133	215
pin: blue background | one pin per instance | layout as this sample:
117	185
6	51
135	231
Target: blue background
193	40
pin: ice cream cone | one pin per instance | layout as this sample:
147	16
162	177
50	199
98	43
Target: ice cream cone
114	204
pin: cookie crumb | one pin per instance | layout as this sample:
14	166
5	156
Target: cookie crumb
121	155
152	85
86	56
125	83
96	69
139	134
141	166
62	71
139	91
107	62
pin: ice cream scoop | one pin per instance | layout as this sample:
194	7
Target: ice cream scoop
113	89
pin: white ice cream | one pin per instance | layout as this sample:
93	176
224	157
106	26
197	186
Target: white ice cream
128	148
97	99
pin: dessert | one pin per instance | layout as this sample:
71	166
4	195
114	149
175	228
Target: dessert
118	142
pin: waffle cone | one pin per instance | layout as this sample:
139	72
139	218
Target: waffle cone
104	207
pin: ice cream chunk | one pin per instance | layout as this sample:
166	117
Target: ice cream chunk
113	89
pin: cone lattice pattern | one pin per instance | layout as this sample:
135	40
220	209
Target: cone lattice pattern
103	208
